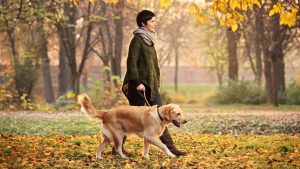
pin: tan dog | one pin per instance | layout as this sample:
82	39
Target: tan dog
146	122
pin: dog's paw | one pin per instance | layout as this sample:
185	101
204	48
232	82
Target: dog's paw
99	157
172	155
124	157
146	157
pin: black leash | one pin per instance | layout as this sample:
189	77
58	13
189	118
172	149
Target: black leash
145	98
148	104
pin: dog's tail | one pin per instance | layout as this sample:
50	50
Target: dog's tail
88	108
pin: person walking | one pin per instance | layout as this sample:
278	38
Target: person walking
143	74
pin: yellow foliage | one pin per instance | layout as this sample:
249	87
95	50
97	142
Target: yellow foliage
234	27
194	9
165	3
204	151
234	4
75	2
166	163
231	13
112	1
286	17
244	6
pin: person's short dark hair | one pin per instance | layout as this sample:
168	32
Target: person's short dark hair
143	17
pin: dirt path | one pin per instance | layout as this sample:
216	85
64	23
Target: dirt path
25	114
269	114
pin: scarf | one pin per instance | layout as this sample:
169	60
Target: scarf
148	37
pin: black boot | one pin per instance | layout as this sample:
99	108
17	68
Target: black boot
113	150
168	141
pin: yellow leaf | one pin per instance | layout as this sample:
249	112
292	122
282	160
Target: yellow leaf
294	10
74	2
127	166
288	18
222	8
192	8
70	95
244	5
202	19
256	2
212	11
272	12
166	163
197	11
112	1
165	3
234	27
228	15
250	6
234	4
223	22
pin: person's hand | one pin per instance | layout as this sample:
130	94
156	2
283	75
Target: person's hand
141	88
125	88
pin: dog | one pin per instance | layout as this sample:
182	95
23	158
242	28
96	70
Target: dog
146	122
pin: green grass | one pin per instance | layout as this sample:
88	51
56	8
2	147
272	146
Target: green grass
200	94
209	122
190	93
213	107
48	126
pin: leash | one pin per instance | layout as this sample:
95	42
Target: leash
145	98
147	103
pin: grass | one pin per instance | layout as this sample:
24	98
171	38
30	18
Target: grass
190	93
212	108
200	94
201	122
47	126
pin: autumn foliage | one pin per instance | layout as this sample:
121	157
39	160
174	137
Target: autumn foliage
231	13
205	151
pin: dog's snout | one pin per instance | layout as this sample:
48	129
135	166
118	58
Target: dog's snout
184	121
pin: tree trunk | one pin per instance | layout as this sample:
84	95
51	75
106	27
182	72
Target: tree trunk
269	79
232	55
43	52
281	73
12	41
219	73
87	44
67	34
276	54
176	68
64	81
248	53
116	65
258	46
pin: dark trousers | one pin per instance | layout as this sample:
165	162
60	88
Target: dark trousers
136	98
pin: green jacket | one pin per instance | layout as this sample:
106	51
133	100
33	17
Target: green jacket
142	65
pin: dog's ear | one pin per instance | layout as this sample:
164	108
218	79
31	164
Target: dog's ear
167	113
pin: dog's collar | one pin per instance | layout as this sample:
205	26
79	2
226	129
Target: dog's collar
159	114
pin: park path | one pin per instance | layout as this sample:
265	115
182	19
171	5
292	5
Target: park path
269	114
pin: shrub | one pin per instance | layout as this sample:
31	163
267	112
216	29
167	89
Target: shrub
106	92
17	84
26	75
293	94
10	98
66	102
241	92
168	97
